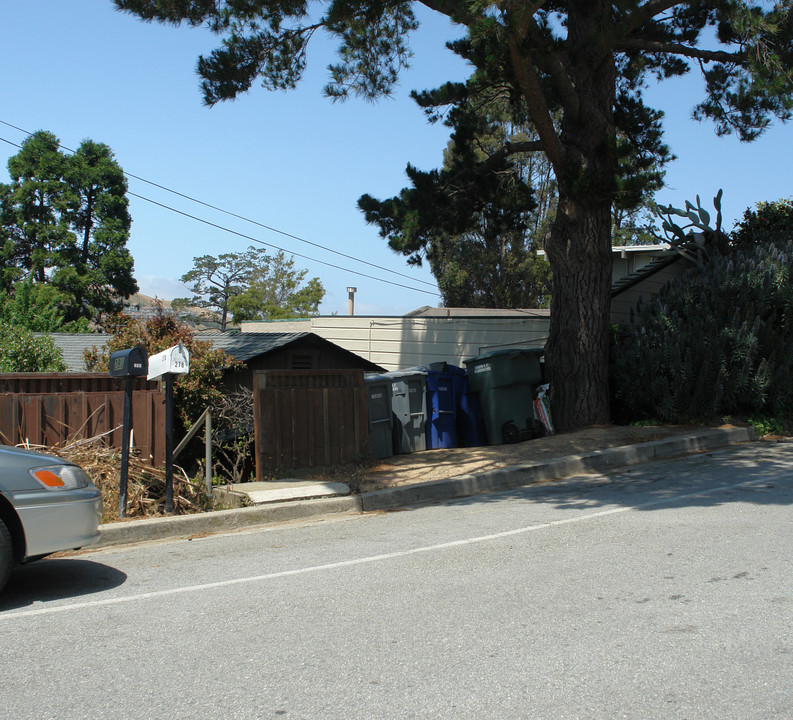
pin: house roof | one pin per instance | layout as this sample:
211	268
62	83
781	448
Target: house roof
72	346
244	346
428	311
241	346
656	265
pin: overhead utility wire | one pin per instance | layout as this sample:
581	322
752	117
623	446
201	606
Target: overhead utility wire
254	222
256	240
261	242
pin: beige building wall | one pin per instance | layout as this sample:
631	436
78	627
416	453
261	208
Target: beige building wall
396	343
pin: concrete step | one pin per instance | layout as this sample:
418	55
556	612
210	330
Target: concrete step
259	493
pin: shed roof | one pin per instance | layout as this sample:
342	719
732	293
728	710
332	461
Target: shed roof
244	346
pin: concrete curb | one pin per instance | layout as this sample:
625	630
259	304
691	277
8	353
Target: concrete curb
135	531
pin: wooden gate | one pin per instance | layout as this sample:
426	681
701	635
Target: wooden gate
308	419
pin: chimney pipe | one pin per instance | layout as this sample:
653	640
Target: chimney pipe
351	300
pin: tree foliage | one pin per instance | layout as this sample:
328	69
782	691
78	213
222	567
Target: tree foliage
215	280
21	351
276	290
251	285
479	226
579	66
193	392
37	307
64	222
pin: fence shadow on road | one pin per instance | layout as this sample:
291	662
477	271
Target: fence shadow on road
57	579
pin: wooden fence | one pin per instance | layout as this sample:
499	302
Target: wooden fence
67	382
49	410
306	419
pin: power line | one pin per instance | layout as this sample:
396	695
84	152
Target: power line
261	242
254	222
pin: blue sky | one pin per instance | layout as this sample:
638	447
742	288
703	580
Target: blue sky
295	162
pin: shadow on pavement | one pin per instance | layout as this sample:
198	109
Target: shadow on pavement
676	482
57	579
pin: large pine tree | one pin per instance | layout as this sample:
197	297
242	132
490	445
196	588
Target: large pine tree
585	62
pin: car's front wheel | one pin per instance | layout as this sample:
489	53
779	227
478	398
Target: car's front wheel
6	554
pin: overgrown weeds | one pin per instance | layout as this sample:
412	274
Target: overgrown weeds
145	484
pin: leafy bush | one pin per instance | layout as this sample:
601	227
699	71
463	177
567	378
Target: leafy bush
37	307
193	392
717	342
20	351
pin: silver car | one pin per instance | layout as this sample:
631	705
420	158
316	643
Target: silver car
47	504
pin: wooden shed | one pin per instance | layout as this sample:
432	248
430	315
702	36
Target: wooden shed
304	351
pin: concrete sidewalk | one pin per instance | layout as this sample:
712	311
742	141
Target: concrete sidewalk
502	478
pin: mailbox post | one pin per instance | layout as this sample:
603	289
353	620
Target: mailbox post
127	364
173	361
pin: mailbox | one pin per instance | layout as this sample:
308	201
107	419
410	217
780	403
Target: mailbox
175	361
129	363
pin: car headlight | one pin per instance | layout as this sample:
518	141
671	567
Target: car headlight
60	477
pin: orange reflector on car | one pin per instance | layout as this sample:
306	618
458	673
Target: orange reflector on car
49	478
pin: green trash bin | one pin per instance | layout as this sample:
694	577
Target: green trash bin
505	382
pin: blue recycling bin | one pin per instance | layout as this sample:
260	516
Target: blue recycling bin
471	430
441	407
469	421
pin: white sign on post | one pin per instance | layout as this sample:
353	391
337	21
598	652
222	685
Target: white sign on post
174	360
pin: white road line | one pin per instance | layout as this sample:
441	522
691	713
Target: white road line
365	560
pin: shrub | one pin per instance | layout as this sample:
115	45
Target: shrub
193	392
768	222
21	351
717	342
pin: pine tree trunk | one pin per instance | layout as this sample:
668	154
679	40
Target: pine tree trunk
579	246
577	352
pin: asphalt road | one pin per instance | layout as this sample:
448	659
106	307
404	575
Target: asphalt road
665	591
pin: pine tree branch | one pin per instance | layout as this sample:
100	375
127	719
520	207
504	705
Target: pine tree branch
647	12
523	66
672	48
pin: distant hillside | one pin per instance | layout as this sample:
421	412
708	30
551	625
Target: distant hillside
140	305
146	301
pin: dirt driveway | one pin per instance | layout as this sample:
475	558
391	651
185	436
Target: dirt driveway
440	464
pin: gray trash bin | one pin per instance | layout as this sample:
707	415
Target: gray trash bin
409	406
378	402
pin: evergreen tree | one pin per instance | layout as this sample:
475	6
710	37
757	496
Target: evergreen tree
33	210
64	221
214	281
276	290
478	223
251	285
100	273
585	62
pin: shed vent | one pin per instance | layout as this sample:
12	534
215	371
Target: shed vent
302	362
